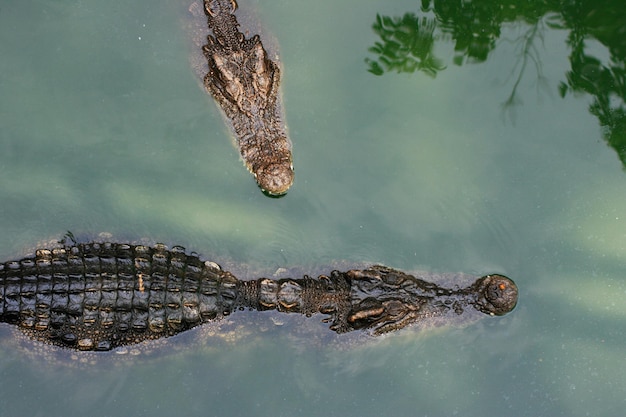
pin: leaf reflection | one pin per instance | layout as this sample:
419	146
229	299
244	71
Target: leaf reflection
406	46
474	27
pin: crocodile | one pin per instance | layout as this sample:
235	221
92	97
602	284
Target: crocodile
101	296
245	82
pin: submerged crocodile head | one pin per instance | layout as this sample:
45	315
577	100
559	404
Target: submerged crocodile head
244	81
384	299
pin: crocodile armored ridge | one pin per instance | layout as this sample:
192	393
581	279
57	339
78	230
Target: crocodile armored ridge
244	81
100	296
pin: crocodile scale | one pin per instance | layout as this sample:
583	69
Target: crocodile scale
99	296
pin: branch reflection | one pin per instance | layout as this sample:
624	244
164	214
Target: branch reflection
475	27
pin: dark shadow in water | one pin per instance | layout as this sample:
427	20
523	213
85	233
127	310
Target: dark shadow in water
475	27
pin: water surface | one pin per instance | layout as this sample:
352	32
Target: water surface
488	139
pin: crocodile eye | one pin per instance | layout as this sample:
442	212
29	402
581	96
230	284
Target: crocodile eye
258	58
366	313
227	69
257	66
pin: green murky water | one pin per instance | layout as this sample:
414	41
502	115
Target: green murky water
454	136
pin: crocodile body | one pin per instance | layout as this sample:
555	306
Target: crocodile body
100	296
244	81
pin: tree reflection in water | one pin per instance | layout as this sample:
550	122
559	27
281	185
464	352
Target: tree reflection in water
475	26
